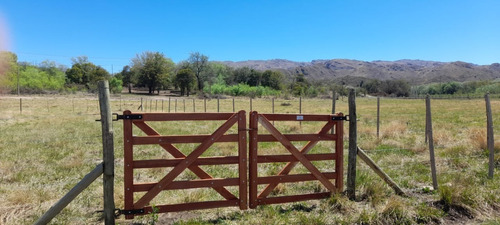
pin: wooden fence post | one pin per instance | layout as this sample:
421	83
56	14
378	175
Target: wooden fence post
168	104
431	141
250	104
205	104
175	108
353	147
378	117
21	105
233	105
108	153
184	102
334	99
490	136
218	107
141	105
194	106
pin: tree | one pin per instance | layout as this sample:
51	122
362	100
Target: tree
198	63
272	79
185	80
254	78
128	77
152	70
86	73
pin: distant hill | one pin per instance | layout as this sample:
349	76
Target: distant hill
414	71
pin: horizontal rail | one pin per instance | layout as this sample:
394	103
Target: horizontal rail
297	117
293	178
191	206
190	184
292	198
155	163
298	137
182	116
149	140
291	158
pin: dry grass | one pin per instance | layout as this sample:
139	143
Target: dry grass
55	141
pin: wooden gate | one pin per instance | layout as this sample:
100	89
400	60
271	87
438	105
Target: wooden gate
181	162
296	156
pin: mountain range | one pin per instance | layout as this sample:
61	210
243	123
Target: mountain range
414	71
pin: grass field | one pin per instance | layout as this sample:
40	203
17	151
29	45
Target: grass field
55	141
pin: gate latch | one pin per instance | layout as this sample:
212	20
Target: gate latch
126	117
346	118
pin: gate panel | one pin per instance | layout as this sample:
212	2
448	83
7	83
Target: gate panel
183	162
295	157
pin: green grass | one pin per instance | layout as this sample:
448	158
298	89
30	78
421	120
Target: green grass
56	141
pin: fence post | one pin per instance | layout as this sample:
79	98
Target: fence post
353	147
194	106
184	103
490	136
233	104
334	99
108	153
156	105
431	140
162	105
141	105
205	104
21	105
168	104
378	117
250	104
218	107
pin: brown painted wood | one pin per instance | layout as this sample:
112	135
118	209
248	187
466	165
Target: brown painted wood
128	165
184	116
339	153
189	184
150	140
295	152
144	200
269	188
178	154
292	178
191	206
299	137
253	143
293	117
155	163
290	158
242	153
293	198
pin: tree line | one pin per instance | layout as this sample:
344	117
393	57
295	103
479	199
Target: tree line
156	72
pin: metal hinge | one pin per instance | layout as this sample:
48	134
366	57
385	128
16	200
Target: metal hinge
346	117
126	117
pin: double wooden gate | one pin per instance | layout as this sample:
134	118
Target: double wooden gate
139	204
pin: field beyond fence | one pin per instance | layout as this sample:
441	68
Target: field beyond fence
48	143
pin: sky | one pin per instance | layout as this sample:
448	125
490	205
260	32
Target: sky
111	33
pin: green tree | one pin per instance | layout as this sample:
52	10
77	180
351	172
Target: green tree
152	70
272	79
254	78
86	73
198	63
128	77
184	80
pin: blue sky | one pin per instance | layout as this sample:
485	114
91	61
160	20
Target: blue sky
111	33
